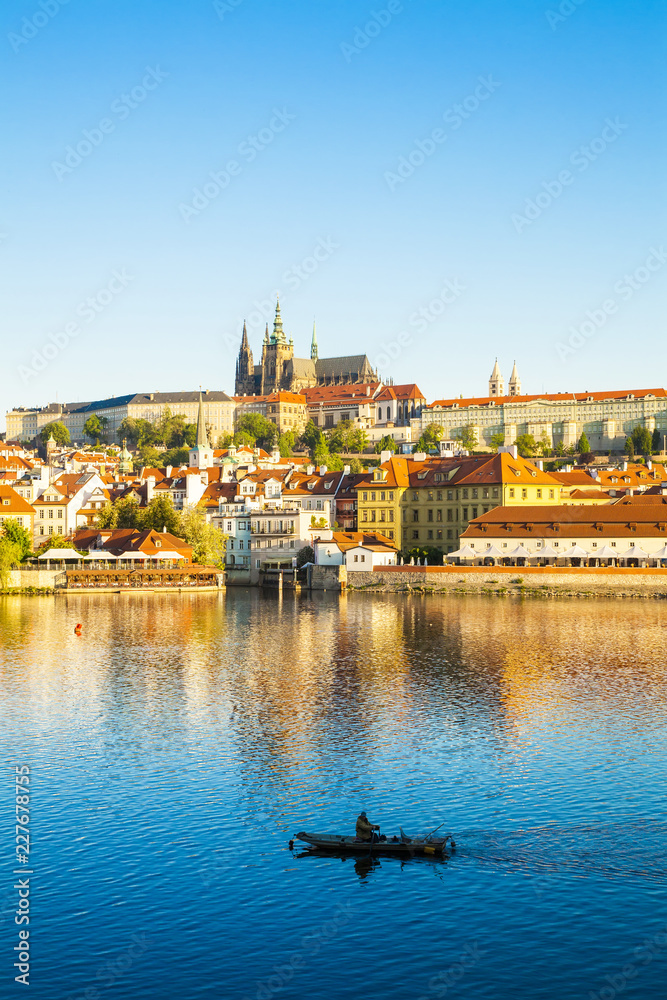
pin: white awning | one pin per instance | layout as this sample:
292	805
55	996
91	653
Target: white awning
546	552
520	552
634	552
56	554
100	555
606	552
492	553
575	552
464	553
660	554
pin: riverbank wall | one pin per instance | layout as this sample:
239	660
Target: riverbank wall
537	581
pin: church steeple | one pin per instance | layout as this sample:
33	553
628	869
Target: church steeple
278	332
313	345
245	370
201	456
496	382
514	386
202	436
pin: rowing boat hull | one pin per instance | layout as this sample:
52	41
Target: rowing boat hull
338	843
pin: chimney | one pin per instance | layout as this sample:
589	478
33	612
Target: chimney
625	465
150	488
322	471
594	474
540	464
419	456
310	469
346	470
384	457
167	470
649	464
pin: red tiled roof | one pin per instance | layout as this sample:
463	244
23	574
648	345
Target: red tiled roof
580	397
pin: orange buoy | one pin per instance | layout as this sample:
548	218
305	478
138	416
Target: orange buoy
77	629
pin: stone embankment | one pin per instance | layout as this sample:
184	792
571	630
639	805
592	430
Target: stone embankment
502	581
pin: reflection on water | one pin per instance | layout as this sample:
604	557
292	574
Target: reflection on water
181	740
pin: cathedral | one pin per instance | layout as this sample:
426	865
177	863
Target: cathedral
281	371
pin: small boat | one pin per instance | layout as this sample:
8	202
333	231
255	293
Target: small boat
406	846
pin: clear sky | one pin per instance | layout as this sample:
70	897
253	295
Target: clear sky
435	183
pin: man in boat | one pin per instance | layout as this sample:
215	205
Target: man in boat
365	829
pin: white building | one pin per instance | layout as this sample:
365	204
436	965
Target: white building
356	550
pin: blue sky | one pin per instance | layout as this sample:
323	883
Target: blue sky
525	220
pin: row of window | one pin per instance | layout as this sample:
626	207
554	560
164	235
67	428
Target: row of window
59	530
41	513
432	534
385	515
384	495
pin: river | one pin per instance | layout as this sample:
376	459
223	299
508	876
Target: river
179	742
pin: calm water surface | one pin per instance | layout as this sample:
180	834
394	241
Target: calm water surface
180	741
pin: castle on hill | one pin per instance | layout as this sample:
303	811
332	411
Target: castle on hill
280	371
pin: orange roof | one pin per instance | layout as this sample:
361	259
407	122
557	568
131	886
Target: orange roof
409	391
367	539
398	475
358	392
16	505
580	397
287	397
572	521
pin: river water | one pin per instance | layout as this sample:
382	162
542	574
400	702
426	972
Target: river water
178	743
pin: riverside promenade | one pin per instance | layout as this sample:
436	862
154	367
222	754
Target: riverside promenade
541	581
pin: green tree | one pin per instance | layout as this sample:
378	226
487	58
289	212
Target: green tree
544	444
355	466
467	437
263	432
497	439
286	443
560	449
95	427
58	430
208	542
338	438
311	435
629	447
10	557
583	447
14	532
136	430
641	439
358	441
429	438
57	542
160	514
243	437
386	443
225	440
656	442
305	555
526	445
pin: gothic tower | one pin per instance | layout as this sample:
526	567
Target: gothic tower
244	384
313	345
496	382
514	387
276	352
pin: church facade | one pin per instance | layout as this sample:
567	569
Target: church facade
280	371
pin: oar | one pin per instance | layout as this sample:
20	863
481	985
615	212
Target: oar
433	831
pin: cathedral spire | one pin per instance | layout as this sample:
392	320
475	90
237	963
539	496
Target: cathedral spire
496	382
202	436
278	332
266	334
244	339
514	382
313	345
